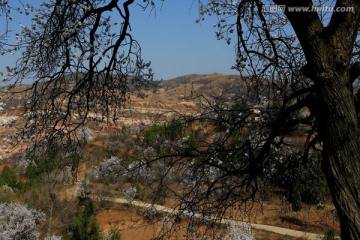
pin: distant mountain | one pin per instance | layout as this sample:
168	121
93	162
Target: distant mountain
201	84
202	81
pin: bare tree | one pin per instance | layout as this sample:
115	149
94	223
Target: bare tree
299	64
308	53
82	59
303	61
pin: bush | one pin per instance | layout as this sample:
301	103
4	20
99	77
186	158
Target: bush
151	134
329	235
45	162
168	131
8	178
7	194
113	234
296	201
151	213
173	129
40	165
302	181
86	226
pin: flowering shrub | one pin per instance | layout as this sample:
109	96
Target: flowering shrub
239	231
111	168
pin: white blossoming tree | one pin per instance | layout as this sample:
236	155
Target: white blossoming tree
81	58
238	231
302	58
19	222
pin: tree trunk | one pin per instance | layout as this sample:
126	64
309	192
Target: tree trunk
339	129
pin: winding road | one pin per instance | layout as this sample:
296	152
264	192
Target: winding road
268	228
172	211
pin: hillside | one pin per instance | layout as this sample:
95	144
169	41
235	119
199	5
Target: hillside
201	83
174	95
125	139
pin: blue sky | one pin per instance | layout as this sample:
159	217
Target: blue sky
172	41
176	45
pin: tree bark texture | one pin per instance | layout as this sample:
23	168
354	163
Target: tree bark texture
328	51
341	151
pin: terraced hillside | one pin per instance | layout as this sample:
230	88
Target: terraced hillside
175	95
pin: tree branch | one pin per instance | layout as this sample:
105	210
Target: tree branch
354	71
307	25
345	23
302	22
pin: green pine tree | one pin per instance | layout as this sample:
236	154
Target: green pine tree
86	226
8	177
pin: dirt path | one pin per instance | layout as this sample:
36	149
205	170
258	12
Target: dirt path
278	230
164	209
